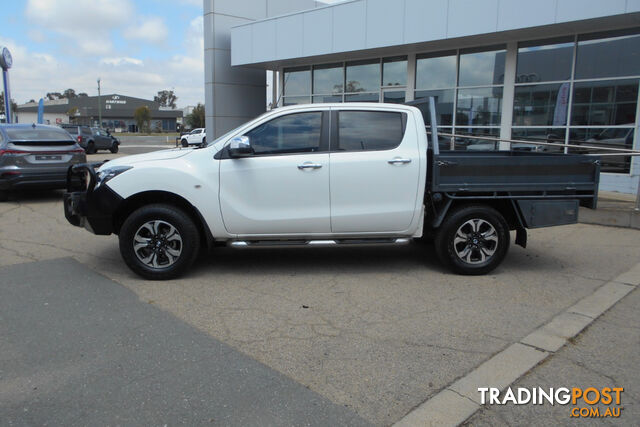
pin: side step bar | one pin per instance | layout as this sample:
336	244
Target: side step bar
243	244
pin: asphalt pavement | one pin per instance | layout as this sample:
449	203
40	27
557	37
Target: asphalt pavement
377	331
80	349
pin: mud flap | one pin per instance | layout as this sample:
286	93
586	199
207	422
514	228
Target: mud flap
521	237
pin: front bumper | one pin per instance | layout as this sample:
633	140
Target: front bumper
92	208
40	179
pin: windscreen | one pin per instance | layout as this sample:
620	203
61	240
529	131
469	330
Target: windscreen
73	130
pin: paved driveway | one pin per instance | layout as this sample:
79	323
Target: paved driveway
375	330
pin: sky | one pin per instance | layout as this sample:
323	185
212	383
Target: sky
136	48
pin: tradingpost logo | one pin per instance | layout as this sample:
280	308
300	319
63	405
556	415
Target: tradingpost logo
583	401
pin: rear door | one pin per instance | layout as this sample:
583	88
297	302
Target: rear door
375	171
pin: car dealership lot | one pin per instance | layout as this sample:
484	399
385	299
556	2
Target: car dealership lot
378	330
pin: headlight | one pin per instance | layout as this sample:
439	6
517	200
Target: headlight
105	175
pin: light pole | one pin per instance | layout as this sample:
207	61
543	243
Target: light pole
99	106
6	61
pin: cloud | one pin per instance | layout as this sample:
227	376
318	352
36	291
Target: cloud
121	61
148	29
87	24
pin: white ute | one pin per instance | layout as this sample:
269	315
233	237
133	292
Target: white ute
312	175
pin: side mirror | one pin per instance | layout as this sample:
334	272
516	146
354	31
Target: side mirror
240	147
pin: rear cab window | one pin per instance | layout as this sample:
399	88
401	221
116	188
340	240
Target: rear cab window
73	130
369	130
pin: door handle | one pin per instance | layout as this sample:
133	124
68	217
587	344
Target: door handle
398	160
309	165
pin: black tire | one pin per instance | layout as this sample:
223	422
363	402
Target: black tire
160	215
4	196
91	148
476	254
204	140
114	147
184	143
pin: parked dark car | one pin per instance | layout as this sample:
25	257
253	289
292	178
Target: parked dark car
36	157
92	139
104	140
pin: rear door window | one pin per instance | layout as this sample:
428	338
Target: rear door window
369	130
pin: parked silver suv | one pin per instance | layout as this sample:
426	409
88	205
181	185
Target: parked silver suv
35	157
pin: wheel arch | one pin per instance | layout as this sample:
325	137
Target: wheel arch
138	200
506	207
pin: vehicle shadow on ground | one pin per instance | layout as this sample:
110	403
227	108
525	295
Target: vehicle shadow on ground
35	196
370	259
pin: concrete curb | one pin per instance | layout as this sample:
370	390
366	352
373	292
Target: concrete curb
626	218
460	400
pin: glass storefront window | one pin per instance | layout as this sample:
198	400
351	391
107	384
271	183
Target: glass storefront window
328	79
475	144
362	97
609	102
608	57
544	62
547	135
297	82
540	105
482	68
363	77
612	137
318	99
393	96
295	100
394	71
444	105
479	107
436	72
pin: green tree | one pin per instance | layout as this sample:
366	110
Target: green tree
69	94
72	114
142	116
166	98
82	95
196	118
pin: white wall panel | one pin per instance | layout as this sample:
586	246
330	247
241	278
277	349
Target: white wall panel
318	32
385	22
222	25
281	7
242	45
520	14
264	40
349	26
467	17
287	46
574	10
425	20
253	9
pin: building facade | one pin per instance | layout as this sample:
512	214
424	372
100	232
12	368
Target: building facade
116	111
560	71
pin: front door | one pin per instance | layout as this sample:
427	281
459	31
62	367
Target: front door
375	172
283	188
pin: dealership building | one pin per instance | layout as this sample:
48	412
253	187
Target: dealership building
562	71
116	112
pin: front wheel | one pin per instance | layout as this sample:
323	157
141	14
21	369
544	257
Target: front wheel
473	240
159	242
184	143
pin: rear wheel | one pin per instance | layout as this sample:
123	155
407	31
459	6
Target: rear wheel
159	242
91	147
114	147
473	240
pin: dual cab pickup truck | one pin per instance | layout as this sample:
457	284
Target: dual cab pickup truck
327	175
